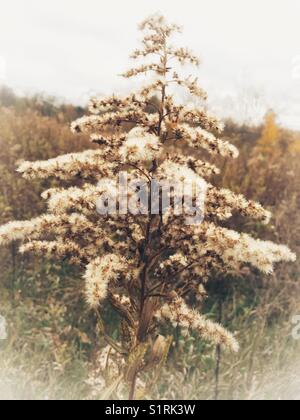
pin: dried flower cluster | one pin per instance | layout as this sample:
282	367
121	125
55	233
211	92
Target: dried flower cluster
144	264
99	274
140	146
179	314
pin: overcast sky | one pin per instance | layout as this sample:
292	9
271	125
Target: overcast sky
250	49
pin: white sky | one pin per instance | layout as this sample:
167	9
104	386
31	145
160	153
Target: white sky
250	49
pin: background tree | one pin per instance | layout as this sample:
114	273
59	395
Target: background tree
146	266
270	135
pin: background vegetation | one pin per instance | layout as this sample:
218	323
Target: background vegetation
52	335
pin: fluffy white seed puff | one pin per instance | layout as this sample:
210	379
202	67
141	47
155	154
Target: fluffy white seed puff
140	146
48	223
235	248
99	274
90	163
179	314
180	175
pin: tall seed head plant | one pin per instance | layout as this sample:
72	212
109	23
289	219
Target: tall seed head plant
147	265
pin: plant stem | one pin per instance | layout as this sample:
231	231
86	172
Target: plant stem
132	388
146	259
14	279
218	354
